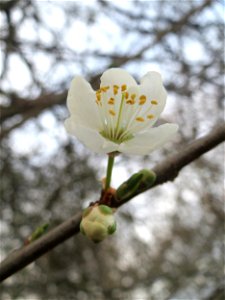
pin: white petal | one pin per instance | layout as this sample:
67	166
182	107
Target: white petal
81	103
145	142
152	87
91	138
117	76
69	125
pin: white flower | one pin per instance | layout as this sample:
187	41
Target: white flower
120	115
98	222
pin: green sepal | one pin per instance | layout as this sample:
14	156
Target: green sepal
112	228
106	210
136	183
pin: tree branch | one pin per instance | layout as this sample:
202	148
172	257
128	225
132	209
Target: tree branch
169	169
165	171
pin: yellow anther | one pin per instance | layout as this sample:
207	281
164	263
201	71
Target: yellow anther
111	101
123	87
115	89
112	112
140	119
98	96
154	102
141	102
104	88
150	117
142	99
133	96
130	101
126	94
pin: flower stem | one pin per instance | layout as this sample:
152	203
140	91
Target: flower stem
109	171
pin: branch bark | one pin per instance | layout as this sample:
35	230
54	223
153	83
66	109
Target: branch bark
168	170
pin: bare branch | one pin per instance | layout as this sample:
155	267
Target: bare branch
166	171
25	255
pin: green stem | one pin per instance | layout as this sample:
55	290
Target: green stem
109	171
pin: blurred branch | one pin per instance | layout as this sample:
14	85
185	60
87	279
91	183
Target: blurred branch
217	294
166	171
19	110
27	109
8	5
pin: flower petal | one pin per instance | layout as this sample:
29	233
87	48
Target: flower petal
81	103
90	138
145	142
152	86
117	76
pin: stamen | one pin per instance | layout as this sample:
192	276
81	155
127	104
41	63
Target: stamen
115	89
154	102
150	117
111	101
123	87
133	96
140	119
142	99
131	101
126	94
112	112
98	96
104	88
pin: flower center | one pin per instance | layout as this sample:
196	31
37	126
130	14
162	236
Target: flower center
123	112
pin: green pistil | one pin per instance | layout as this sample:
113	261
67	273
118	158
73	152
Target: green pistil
119	134
120	114
120	138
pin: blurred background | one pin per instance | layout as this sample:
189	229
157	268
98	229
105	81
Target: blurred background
169	241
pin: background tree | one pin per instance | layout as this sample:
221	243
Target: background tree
169	241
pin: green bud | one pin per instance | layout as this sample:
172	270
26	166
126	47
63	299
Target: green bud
148	179
98	222
127	188
39	231
136	183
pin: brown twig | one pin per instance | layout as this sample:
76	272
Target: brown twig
165	171
20	258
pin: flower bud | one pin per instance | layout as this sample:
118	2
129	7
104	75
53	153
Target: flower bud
142	180
98	222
